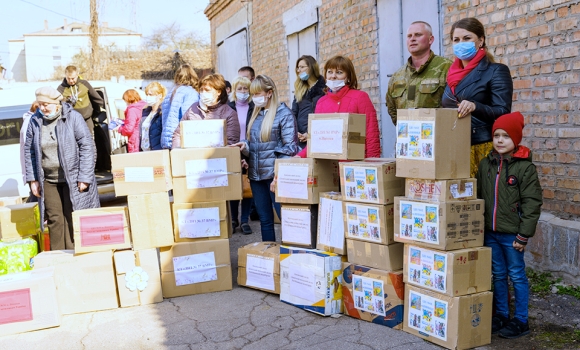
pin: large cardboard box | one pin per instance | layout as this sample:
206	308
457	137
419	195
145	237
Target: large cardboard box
441	190
330	224
4	201
201	221
203	133
377	256
150	219
16	255
453	322
141	172
337	136
439	225
259	266
28	302
206	174
369	222
138	277
454	273
85	282
311	280
299	224
301	180
101	229
373	295
19	220
372	181
195	268
433	144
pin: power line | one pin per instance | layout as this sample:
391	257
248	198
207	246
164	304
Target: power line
49	10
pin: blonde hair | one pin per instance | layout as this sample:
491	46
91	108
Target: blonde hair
300	86
156	89
239	81
263	83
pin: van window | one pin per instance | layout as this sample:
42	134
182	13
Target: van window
10	123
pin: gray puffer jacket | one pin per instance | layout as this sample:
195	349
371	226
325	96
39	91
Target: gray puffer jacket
283	144
76	153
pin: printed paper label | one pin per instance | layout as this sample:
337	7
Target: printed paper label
15	306
331	229
199	222
361	184
296	226
101	230
203	133
326	136
416	140
139	174
292	181
303	283
363	222
204	173
468	192
260	272
368	295
428	315
195	268
419	222
427	269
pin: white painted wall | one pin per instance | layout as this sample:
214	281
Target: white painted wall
16	60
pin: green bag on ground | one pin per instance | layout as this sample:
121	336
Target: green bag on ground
15	255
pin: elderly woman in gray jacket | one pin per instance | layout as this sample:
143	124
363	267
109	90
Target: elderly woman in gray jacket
271	134
60	157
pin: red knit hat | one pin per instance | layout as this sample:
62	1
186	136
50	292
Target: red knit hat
513	124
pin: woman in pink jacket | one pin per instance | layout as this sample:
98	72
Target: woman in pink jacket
133	115
344	97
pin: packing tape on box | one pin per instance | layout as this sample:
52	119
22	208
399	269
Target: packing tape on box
119	174
354	137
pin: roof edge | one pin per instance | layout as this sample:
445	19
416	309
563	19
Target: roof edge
215	7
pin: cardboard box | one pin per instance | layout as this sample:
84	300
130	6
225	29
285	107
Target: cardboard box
141	172
377	256
19	220
454	273
368	222
101	229
441	190
301	180
195	268
201	221
311	280
28	302
138	277
4	201
259	266
203	133
150	219
15	255
85	282
330	224
433	144
372	181
337	136
453	322
373	295
439	225
206	174
299	224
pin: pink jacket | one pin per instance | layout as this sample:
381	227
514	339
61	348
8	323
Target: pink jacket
132	124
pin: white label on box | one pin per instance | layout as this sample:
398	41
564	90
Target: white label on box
419	222
468	192
303	283
326	136
203	133
428	315
199	222
361	184
368	295
292	181
296	226
363	222
203	173
260	272
331	228
416	140
195	268
139	174
427	268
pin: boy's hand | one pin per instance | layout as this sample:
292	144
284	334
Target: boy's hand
519	247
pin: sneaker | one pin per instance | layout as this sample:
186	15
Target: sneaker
246	229
235	225
254	215
498	323
514	329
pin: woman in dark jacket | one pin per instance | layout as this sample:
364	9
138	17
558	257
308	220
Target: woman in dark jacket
477	85
151	121
60	158
308	88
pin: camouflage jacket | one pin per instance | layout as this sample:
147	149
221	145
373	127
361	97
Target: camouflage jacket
418	88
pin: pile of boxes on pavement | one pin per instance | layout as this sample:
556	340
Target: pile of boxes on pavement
393	242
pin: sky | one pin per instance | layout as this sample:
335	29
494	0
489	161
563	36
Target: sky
143	16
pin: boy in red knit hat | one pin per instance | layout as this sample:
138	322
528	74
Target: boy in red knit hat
508	182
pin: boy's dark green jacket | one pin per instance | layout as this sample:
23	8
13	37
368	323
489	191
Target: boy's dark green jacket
512	193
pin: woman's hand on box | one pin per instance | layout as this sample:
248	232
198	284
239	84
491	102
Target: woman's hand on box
241	145
273	186
35	188
245	164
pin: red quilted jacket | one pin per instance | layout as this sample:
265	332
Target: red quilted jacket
132	125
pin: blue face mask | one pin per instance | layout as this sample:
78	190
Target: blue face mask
304	76
465	50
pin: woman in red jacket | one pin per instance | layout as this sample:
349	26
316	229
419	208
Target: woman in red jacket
344	97
133	115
